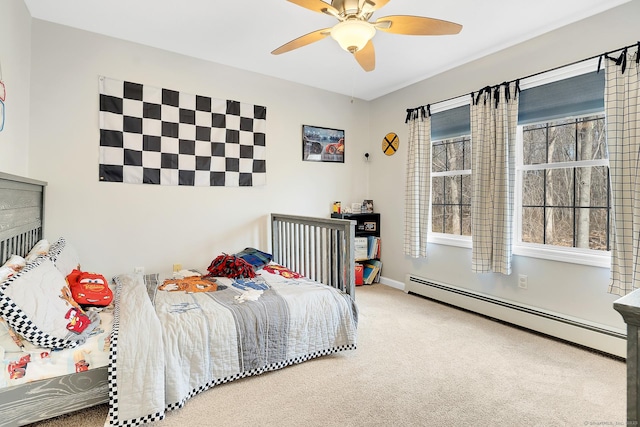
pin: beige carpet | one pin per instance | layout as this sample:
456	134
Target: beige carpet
418	363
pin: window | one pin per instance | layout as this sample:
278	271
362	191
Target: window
563	199
565	184
451	173
562	195
451	186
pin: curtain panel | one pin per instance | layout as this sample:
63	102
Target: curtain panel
622	96
494	115
418	183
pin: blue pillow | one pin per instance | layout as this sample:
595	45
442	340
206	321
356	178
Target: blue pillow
255	257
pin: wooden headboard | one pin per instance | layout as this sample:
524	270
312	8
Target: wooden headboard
21	214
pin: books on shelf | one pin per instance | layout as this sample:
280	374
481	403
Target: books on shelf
361	250
367	248
367	257
373	244
371	271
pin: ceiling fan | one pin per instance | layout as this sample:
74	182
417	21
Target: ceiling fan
354	31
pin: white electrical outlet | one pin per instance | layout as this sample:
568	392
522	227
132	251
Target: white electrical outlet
177	267
523	281
138	270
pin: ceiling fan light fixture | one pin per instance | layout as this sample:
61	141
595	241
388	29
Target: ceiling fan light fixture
353	35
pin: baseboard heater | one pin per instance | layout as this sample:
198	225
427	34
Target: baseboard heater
578	331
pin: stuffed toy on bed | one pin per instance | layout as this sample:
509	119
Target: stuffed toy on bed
89	288
190	284
230	266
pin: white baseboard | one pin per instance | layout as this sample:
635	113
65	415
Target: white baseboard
579	331
392	283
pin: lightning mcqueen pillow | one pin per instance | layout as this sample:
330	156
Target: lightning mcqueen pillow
89	288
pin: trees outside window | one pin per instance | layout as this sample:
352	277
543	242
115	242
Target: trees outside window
451	186
565	184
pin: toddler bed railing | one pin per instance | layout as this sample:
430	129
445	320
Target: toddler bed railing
318	248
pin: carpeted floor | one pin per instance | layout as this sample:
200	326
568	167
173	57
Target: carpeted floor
418	363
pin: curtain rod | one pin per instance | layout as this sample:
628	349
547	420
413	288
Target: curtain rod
605	55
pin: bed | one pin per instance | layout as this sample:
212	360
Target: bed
320	249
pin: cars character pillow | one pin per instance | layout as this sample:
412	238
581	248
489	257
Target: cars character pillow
89	288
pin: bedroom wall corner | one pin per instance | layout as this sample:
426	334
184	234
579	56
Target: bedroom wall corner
15	72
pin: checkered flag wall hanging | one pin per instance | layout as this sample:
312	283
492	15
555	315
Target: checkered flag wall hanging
150	135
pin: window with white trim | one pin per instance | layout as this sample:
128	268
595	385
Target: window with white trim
451	171
562	185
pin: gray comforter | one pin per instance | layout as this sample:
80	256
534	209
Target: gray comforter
169	346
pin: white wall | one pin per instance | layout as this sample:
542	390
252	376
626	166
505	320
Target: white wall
575	290
15	66
119	226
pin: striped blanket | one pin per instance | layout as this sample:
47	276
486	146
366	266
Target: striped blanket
185	343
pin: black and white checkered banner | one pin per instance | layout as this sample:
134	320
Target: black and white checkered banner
150	135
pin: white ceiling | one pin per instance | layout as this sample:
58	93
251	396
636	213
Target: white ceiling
242	34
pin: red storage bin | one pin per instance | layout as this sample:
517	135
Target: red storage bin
359	271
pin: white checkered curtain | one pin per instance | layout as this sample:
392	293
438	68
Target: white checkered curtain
494	115
622	97
418	184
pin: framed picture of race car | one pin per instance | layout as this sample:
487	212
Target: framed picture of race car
321	144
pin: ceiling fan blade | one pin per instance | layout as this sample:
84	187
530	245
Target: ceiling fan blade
316	6
416	25
366	57
303	41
